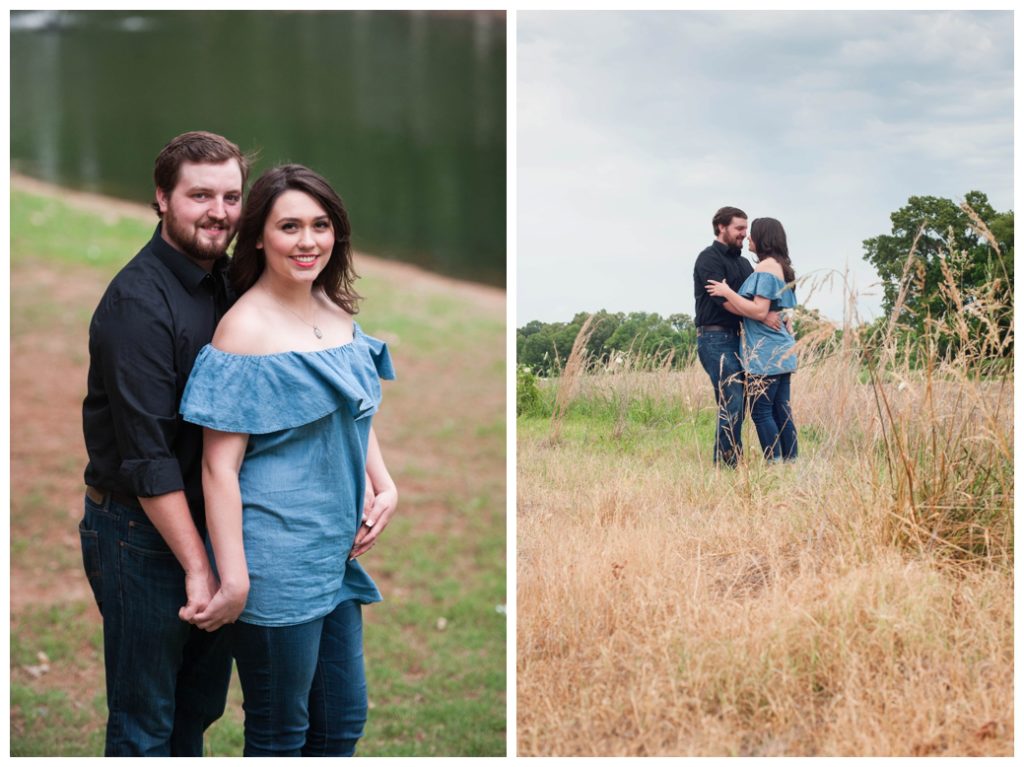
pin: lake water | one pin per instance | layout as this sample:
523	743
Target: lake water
404	112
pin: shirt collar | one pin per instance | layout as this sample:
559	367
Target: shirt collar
190	275
726	250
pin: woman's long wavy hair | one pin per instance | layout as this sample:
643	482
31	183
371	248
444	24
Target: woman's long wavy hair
770	240
248	261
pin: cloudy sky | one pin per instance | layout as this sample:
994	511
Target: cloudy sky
633	128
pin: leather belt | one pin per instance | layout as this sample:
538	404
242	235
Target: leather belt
720	328
100	496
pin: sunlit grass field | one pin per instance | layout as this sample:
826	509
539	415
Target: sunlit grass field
435	648
856	602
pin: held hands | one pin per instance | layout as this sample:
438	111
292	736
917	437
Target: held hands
225	607
375	519
200	586
211	605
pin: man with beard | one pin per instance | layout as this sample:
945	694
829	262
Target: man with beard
718	328
144	526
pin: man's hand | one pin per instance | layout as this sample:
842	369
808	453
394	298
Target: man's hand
773	320
225	607
170	515
199	590
374	521
719	289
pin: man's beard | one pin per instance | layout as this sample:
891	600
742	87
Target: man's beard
187	238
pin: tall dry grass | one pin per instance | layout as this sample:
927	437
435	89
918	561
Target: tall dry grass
858	602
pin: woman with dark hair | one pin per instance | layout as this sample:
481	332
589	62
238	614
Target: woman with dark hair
286	391
769	356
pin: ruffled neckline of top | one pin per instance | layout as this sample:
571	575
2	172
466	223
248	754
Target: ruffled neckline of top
259	394
769	286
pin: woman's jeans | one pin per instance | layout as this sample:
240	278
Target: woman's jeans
304	686
773	416
167	680
719	353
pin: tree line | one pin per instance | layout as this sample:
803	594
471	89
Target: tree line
940	259
544	346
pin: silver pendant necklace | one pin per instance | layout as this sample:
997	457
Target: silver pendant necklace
316	330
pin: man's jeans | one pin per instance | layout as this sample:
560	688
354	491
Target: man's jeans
304	686
167	680
772	415
719	353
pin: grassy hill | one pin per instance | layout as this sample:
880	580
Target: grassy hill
435	648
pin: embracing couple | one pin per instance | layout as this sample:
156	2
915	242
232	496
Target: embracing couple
233	473
744	333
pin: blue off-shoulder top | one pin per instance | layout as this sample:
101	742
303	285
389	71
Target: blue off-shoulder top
302	480
765	351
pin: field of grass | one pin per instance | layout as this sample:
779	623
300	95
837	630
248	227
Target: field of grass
435	648
856	602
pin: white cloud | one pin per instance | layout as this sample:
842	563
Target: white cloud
634	128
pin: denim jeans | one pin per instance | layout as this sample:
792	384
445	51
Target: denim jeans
772	416
719	353
167	681
303	686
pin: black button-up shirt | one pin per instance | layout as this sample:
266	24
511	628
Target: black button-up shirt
155	316
718	261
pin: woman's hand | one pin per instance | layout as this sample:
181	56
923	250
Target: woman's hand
225	607
374	521
368	496
722	289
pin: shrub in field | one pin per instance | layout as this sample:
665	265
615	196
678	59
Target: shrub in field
529	400
946	435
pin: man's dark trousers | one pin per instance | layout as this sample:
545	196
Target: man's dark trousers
152	656
719	353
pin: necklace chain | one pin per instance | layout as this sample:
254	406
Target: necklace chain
316	330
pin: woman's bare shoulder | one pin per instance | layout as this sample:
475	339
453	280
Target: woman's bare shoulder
771	266
244	329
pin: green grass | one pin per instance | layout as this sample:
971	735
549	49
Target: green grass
49	722
435	689
428	323
46	228
58	632
643	423
43	718
226	737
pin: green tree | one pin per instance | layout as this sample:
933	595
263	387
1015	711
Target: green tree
544	347
605	325
536	349
645	334
944	234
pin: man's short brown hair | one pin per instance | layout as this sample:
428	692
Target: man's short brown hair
724	217
198	147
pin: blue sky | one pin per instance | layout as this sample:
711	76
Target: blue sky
634	127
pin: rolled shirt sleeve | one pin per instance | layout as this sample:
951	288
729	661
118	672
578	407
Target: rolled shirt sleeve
136	344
